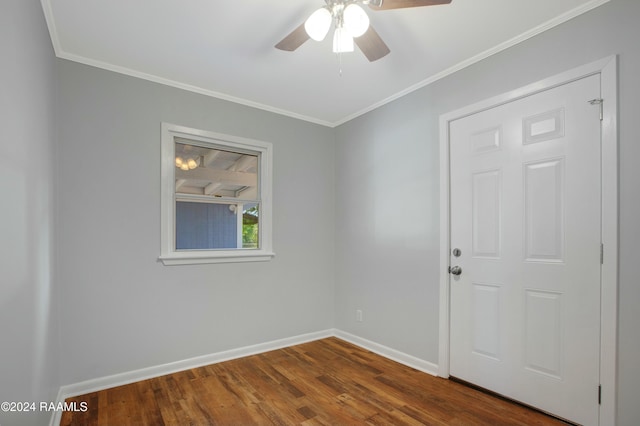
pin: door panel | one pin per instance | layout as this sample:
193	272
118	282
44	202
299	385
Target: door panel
525	213
543	210
486	214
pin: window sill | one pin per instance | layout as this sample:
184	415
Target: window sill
194	258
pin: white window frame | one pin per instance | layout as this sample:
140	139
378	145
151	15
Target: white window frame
168	253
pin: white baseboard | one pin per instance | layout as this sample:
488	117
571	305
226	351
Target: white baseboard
120	379
387	352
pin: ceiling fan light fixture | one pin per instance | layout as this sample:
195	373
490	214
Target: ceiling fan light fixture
317	25
356	20
186	164
342	41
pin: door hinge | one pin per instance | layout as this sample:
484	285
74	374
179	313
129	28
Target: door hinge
599	102
601	254
599	394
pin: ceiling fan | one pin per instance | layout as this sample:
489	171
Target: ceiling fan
351	25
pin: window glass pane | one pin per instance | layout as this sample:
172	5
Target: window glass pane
201	226
215	172
216	198
250	226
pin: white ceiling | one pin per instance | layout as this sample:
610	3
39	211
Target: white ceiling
226	48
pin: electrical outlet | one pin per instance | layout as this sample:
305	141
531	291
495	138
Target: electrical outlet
359	315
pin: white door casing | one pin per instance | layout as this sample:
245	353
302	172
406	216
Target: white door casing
525	210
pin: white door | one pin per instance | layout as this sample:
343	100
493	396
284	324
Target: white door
525	216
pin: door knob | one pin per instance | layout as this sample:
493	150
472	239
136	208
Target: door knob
455	270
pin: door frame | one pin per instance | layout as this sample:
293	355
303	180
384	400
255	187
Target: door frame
607	68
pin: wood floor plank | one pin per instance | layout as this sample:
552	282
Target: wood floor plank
325	382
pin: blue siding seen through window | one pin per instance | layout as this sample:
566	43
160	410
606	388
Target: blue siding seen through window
205	226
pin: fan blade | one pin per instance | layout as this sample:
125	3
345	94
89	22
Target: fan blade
294	40
399	4
372	45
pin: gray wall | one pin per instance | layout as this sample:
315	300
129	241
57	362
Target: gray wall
123	310
387	246
29	344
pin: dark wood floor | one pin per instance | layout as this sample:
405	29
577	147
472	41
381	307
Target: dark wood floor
326	382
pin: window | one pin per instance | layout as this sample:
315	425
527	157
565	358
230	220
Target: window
216	197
